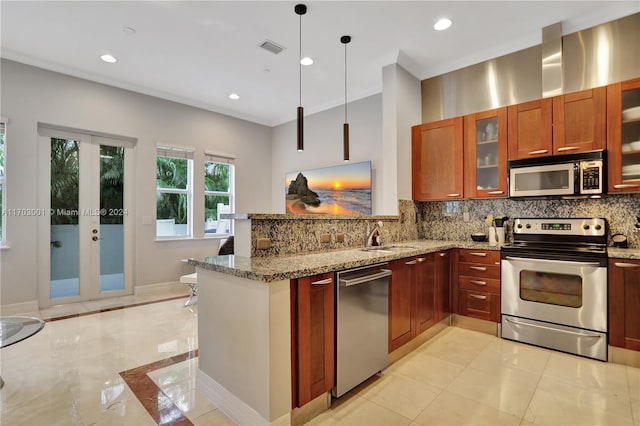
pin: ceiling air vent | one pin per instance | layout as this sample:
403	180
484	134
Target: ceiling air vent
272	47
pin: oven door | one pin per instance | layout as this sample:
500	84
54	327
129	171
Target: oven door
571	293
539	181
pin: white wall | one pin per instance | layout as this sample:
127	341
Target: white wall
323	146
31	95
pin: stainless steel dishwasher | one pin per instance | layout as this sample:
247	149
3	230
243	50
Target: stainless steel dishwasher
362	324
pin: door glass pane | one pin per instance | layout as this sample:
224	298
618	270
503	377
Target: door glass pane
551	288
112	214
487	153
65	257
631	135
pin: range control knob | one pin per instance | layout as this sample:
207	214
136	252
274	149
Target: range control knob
598	227
519	226
528	226
585	227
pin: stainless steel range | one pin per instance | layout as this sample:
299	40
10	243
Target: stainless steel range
554	285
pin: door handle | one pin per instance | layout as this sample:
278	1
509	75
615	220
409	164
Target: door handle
626	265
477	296
568	148
321	282
442	254
540	151
478	254
478	282
453	195
420	259
411	262
495	192
625	185
561	262
573	333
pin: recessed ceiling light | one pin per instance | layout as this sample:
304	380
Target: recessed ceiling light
108	58
128	30
442	24
234	96
306	61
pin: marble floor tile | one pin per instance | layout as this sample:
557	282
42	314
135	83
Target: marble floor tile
452	409
588	373
360	412
213	418
511	354
505	389
458	347
401	394
633	379
426	369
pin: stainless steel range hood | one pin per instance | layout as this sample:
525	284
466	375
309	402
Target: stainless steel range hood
552	60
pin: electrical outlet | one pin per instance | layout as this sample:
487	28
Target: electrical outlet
466	217
263	244
325	238
340	238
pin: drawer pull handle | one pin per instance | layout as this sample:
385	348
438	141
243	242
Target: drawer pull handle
626	265
478	268
442	254
495	192
478	254
421	259
453	195
478	282
411	262
568	148
477	296
625	185
540	151
321	282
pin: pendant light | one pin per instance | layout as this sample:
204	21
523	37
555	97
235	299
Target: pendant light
300	10
345	39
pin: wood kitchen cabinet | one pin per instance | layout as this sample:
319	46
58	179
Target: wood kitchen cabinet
485	154
530	129
580	121
623	136
443	284
624	300
478	284
313	337
401	302
425	293
437	160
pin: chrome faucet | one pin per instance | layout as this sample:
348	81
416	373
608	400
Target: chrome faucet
373	235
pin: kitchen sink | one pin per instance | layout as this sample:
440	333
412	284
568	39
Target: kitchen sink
388	249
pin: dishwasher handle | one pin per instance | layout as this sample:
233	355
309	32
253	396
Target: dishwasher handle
359	280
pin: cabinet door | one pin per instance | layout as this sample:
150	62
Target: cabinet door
481	305
580	121
436	160
443	284
425	316
485	154
401	289
623	136
530	129
315	336
624	300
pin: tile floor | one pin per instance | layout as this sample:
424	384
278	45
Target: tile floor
69	374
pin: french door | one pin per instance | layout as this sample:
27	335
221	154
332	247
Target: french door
85	229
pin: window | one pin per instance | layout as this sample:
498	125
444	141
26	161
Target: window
218	193
174	186
2	191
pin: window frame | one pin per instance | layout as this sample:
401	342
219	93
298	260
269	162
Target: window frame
220	159
3	183
180	153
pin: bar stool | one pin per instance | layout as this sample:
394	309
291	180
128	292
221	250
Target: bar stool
191	281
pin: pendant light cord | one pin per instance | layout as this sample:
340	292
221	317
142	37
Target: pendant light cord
345	82
300	62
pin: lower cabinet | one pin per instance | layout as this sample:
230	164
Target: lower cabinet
624	301
478	284
313	337
418	295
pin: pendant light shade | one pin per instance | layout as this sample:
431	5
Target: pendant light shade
300	10
345	39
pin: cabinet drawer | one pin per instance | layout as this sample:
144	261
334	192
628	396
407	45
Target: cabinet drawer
489	285
478	304
480	256
479	270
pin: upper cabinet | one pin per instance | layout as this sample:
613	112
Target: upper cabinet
623	139
437	160
580	121
485	154
530	129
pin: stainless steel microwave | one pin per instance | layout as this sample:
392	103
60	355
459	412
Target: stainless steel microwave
570	175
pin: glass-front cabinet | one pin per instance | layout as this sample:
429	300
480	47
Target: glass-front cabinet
486	154
623	117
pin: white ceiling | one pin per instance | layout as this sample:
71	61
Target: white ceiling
199	52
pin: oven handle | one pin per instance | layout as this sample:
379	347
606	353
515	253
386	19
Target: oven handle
594	264
554	329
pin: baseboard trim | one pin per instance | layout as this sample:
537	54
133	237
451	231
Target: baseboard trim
624	356
417	341
483	326
232	406
22	308
158	287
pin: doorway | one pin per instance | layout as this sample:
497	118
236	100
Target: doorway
85	243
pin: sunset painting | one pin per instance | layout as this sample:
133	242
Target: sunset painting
344	189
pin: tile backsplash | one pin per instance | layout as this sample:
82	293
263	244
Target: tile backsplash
444	220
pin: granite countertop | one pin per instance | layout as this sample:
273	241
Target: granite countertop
623	253
267	269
